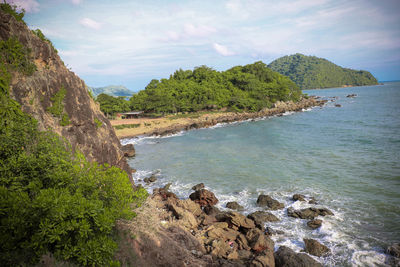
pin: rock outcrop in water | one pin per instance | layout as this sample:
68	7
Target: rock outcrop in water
79	119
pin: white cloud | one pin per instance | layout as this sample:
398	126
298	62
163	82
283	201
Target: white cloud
30	6
89	23
198	31
222	50
76	2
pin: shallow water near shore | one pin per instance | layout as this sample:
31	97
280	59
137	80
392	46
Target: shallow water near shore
348	158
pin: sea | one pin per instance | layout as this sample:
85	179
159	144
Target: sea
347	158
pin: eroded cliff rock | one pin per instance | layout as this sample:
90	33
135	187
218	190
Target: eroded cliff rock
74	115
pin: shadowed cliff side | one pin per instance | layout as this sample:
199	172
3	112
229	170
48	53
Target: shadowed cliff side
58	99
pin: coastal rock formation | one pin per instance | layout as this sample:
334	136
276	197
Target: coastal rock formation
314	224
308	213
265	200
286	257
204	197
393	252
261	217
129	150
198	186
315	248
80	120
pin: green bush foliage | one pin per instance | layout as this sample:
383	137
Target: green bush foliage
310	72
110	105
40	34
119	127
57	107
98	123
12	10
241	88
51	199
16	56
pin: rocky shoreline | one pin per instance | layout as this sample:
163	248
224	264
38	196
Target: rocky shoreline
207	236
209	121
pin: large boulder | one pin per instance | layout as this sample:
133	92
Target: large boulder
198	187
221	232
315	248
264	259
393	252
286	257
267	201
129	150
299	197
204	198
308	213
261	217
185	218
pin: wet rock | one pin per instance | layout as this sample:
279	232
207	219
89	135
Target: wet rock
234	206
286	257
393	258
308	213
351	95
261	217
265	200
299	197
258	241
315	248
314	224
128	150
270	231
204	198
150	179
167	186
312	201
338	105
198	187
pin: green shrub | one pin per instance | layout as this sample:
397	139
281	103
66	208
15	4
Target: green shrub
98	123
123	126
64	119
16	56
12	10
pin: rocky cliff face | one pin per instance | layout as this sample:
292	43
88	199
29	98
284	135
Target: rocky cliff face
59	99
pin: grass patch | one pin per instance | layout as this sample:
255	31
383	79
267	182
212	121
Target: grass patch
120	127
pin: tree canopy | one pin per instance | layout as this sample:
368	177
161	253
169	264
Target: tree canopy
241	88
310	72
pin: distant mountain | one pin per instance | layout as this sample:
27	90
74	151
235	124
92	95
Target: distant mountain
310	72
113	90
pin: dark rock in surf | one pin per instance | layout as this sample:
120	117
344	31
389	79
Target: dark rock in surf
198	186
338	105
314	224
286	257
261	217
234	206
299	197
265	200
308	213
315	248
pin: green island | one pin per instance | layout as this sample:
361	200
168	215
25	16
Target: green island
310	72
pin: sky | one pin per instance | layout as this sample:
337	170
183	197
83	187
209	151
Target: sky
131	42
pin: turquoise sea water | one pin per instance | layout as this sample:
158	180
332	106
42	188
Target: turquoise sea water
348	158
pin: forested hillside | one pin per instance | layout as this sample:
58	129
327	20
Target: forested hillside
241	88
113	90
310	72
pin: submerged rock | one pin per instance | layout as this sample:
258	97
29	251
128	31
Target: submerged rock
315	248
314	224
393	252
308	213
265	200
286	257
204	197
234	206
338	105
351	95
150	179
